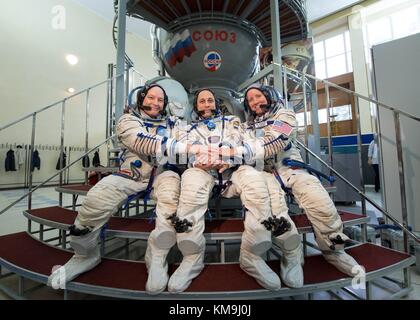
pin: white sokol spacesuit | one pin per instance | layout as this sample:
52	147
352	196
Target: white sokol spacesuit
275	131
196	186
146	142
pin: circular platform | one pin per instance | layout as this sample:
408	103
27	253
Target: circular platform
252	15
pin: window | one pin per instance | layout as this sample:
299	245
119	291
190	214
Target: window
394	22
340	113
333	56
300	117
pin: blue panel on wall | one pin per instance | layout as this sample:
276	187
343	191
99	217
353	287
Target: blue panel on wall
351	140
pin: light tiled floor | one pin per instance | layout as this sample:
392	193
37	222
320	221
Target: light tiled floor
13	221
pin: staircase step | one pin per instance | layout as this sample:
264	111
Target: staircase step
26	256
79	189
101	169
217	229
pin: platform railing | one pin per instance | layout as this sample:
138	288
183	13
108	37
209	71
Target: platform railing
62	104
397	112
31	190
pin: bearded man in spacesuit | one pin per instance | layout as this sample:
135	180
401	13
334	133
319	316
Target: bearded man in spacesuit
147	137
274	131
215	130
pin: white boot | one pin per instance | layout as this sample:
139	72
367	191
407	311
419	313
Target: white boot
156	263
190	267
257	268
342	261
86	257
74	267
157	273
291	271
332	248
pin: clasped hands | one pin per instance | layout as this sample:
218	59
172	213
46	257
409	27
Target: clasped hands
210	157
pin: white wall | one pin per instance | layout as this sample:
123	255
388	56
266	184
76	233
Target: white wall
352	23
360	71
34	73
397	70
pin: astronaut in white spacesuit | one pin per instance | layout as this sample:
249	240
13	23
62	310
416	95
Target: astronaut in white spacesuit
274	130
147	137
215	130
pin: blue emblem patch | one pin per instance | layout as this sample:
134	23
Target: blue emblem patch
211	125
161	131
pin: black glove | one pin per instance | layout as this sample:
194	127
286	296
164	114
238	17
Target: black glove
74	231
277	226
180	226
337	240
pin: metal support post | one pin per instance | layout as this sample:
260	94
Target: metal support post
109	101
328	101
41	232
401	175
286	99
407	278
368	290
63	239
21	286
305	115
86	132
363	229
276	44
315	127
63	117
129	80
119	102
30	160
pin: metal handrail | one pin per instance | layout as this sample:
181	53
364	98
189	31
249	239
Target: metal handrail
56	174
331	84
377	206
396	113
58	102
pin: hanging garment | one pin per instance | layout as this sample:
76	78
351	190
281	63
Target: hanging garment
96	161
20	157
10	161
61	165
85	161
36	161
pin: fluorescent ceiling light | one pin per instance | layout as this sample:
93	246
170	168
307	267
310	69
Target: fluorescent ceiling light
72	59
71	90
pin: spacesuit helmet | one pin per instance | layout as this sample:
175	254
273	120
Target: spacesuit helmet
216	112
272	95
141	95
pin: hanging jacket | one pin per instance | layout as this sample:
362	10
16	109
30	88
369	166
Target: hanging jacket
20	157
61	165
36	161
10	161
85	161
96	161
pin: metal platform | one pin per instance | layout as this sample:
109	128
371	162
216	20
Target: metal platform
75	189
101	169
139	228
32	259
